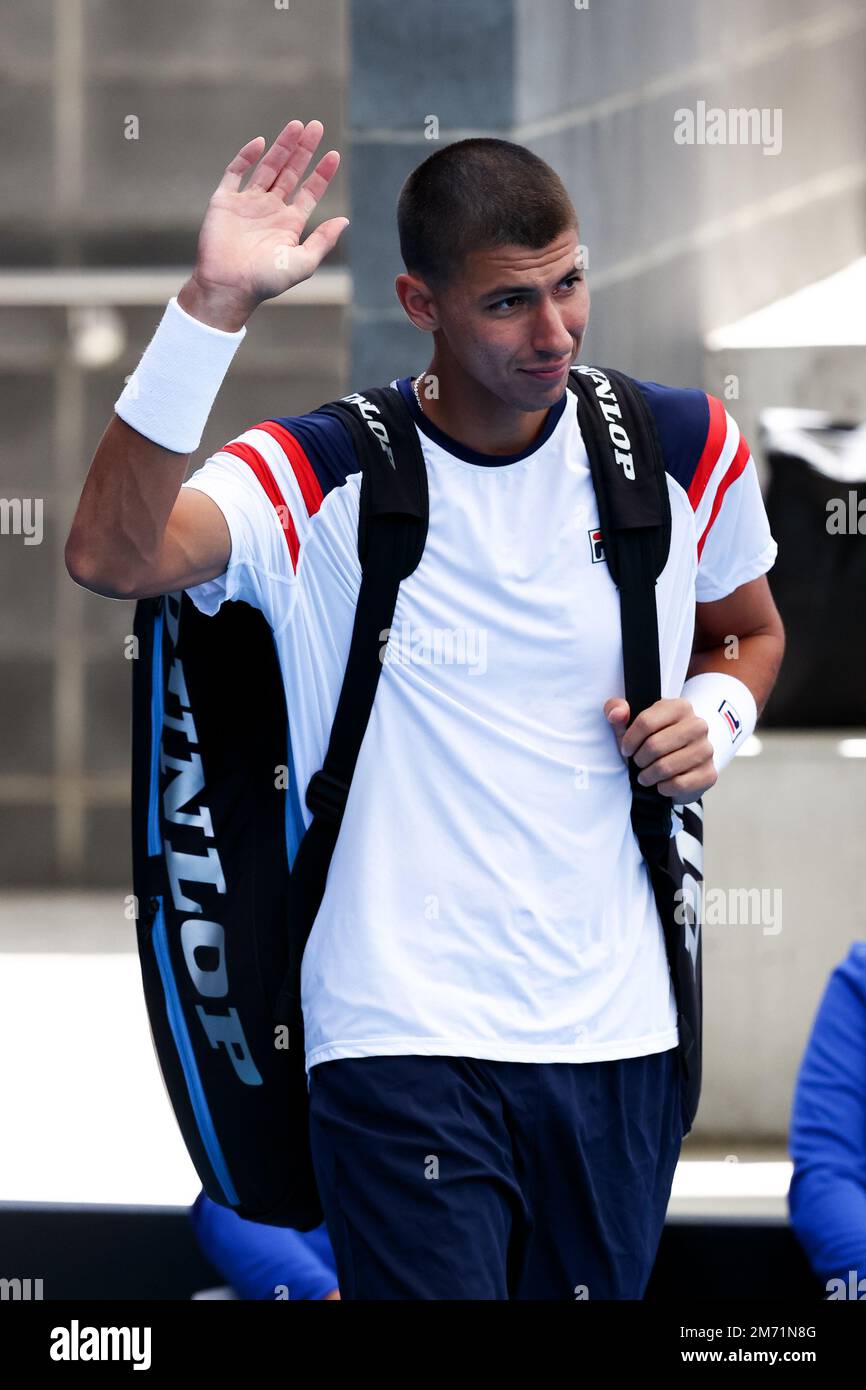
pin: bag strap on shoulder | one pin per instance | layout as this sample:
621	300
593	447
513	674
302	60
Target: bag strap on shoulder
628	474
392	530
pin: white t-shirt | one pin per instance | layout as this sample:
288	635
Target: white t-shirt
487	896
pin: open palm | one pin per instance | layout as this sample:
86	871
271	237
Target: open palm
250	239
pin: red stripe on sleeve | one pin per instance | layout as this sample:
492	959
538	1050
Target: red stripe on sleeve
715	443
741	458
311	489
269	483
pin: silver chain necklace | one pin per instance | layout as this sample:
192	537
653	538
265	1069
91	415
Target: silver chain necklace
417	396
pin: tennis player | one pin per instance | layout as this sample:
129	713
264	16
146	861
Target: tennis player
490	1021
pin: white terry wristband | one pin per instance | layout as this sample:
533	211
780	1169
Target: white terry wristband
729	708
171	393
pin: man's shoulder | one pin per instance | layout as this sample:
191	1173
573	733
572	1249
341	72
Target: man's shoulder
322	440
692	425
317	442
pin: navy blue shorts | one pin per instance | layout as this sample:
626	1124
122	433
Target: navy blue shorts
458	1178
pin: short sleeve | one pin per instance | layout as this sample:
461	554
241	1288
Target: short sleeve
254	484
735	544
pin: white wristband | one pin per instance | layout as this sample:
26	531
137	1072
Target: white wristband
729	708
171	393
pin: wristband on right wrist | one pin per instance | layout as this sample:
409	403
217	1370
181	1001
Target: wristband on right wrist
728	706
171	393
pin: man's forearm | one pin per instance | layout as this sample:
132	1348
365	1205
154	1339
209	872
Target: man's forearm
755	660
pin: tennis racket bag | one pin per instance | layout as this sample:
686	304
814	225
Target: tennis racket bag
223	916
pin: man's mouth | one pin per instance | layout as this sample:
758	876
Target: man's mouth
547	373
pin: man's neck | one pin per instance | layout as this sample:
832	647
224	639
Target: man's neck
476	418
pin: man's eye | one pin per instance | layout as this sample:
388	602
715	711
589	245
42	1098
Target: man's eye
518	298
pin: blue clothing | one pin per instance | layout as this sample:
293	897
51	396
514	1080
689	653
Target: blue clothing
827	1196
255	1259
463	1178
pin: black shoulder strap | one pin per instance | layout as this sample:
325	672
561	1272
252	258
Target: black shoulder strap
392	530
628	474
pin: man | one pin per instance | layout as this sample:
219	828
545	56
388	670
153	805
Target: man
489	1017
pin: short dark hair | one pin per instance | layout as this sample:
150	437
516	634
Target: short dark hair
473	195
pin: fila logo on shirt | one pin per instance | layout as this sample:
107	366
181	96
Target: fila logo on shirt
367	408
596	546
613	415
731	718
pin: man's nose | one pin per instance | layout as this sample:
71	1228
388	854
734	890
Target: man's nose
550	333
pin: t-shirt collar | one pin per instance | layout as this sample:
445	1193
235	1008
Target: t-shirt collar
462	451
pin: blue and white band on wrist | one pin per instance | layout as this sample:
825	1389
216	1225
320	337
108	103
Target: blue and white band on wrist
171	393
729	708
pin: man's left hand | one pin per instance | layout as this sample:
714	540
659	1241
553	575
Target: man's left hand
669	743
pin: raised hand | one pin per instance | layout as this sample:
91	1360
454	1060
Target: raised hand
249	246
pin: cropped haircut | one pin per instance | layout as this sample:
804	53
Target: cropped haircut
474	195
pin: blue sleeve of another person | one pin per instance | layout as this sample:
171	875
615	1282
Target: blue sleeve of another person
827	1197
254	1258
